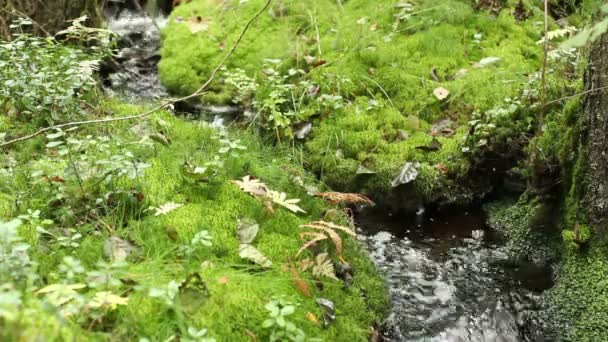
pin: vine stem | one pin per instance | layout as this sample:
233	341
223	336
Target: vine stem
541	113
163	105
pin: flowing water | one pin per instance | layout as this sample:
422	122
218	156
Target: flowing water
449	280
133	73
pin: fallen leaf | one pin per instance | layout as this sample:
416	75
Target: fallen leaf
247	251
345	198
409	172
441	93
160	138
252	186
167	208
247	229
434	145
57	179
329	310
280	198
312	318
460	74
442	168
362	170
484	62
117	249
319	63
254	337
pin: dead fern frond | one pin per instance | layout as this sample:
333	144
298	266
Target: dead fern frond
335	198
328	230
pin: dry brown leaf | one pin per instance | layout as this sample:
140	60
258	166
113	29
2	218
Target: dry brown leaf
329	230
254	337
316	238
301	284
313	318
252	186
344	198
317	224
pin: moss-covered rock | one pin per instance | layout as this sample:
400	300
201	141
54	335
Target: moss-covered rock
529	226
385	60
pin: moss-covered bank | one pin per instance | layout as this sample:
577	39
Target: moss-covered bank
384	61
218	290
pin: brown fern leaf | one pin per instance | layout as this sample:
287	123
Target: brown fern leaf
330	231
316	237
345	198
330	225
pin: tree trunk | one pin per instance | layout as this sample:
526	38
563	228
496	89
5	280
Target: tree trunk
596	135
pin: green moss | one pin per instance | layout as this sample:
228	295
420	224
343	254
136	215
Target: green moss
235	305
382	140
370	54
581	295
528	227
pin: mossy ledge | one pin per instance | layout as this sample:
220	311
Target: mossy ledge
237	290
386	69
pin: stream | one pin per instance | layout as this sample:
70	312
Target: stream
449	278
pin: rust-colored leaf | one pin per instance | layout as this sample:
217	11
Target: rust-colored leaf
313	318
344	198
316	237
57	179
442	168
223	280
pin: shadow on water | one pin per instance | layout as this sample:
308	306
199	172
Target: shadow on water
451	279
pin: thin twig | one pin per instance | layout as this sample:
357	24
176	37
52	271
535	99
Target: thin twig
381	89
163	105
543	80
575	95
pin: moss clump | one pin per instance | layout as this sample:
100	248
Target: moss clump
528	226
580	299
381	140
236	290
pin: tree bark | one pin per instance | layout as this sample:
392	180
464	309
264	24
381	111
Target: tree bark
595	136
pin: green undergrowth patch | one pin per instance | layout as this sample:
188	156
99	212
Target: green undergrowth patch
380	63
528	226
581	295
175	215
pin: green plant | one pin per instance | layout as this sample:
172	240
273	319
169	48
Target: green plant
197	335
46	81
281	328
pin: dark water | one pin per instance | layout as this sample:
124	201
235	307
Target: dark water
450	280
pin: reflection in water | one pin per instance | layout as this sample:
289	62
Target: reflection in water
446	285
